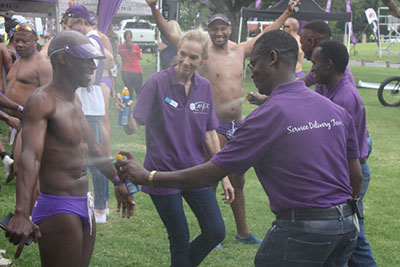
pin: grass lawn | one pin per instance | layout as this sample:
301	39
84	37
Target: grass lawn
369	52
142	240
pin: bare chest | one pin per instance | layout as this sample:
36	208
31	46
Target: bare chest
24	73
223	68
68	125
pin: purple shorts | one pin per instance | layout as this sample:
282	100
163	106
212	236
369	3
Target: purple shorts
228	128
106	80
49	205
300	74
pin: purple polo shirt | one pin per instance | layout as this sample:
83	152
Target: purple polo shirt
299	144
345	94
321	88
176	125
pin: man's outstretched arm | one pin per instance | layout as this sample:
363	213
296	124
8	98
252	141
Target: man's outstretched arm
248	46
207	174
105	166
162	24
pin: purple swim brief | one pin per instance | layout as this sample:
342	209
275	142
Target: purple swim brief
49	205
106	80
228	128
300	74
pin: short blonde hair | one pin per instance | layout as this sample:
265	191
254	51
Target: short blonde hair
174	26
197	36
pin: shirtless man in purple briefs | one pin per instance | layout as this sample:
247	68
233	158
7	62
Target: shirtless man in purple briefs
56	145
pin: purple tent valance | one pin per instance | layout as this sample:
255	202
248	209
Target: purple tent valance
106	11
50	1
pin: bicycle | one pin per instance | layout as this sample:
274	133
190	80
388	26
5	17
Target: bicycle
389	92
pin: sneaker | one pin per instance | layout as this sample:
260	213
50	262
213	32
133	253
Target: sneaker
100	217
4	261
7	162
250	239
8	168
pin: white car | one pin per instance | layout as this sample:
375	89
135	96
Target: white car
143	33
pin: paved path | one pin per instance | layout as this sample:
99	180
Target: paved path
382	64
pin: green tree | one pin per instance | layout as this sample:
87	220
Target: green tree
393	7
193	14
358	8
231	8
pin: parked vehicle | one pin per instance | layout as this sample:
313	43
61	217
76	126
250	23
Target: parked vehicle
143	33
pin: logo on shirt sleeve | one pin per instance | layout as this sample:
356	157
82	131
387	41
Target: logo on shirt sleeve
200	107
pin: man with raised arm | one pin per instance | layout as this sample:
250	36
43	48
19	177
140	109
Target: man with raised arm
57	142
291	26
224	70
304	150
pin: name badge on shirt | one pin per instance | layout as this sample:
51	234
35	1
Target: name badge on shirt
171	102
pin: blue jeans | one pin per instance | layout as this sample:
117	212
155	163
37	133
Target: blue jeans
100	182
204	205
308	243
362	255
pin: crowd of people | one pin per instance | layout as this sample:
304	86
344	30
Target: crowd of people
195	137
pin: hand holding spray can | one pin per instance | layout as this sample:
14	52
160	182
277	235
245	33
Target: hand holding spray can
131	187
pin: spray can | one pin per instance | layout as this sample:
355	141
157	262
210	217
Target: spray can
124	115
295	6
250	97
131	187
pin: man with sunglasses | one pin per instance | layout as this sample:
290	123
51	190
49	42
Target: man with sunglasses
57	142
308	180
291	26
30	71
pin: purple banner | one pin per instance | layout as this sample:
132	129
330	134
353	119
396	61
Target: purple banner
50	1
257	4
350	24
328	6
106	12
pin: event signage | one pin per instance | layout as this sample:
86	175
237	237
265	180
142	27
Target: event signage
374	23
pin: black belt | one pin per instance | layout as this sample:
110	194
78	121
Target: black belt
331	213
362	160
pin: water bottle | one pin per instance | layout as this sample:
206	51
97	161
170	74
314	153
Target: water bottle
124	115
131	187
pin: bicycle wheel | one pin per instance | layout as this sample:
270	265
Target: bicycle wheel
389	92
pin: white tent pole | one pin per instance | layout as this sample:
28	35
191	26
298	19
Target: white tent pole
239	38
159	40
240	27
348	37
57	17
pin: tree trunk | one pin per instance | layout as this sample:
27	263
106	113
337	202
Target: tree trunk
393	7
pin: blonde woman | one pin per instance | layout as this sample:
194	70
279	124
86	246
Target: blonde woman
176	107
